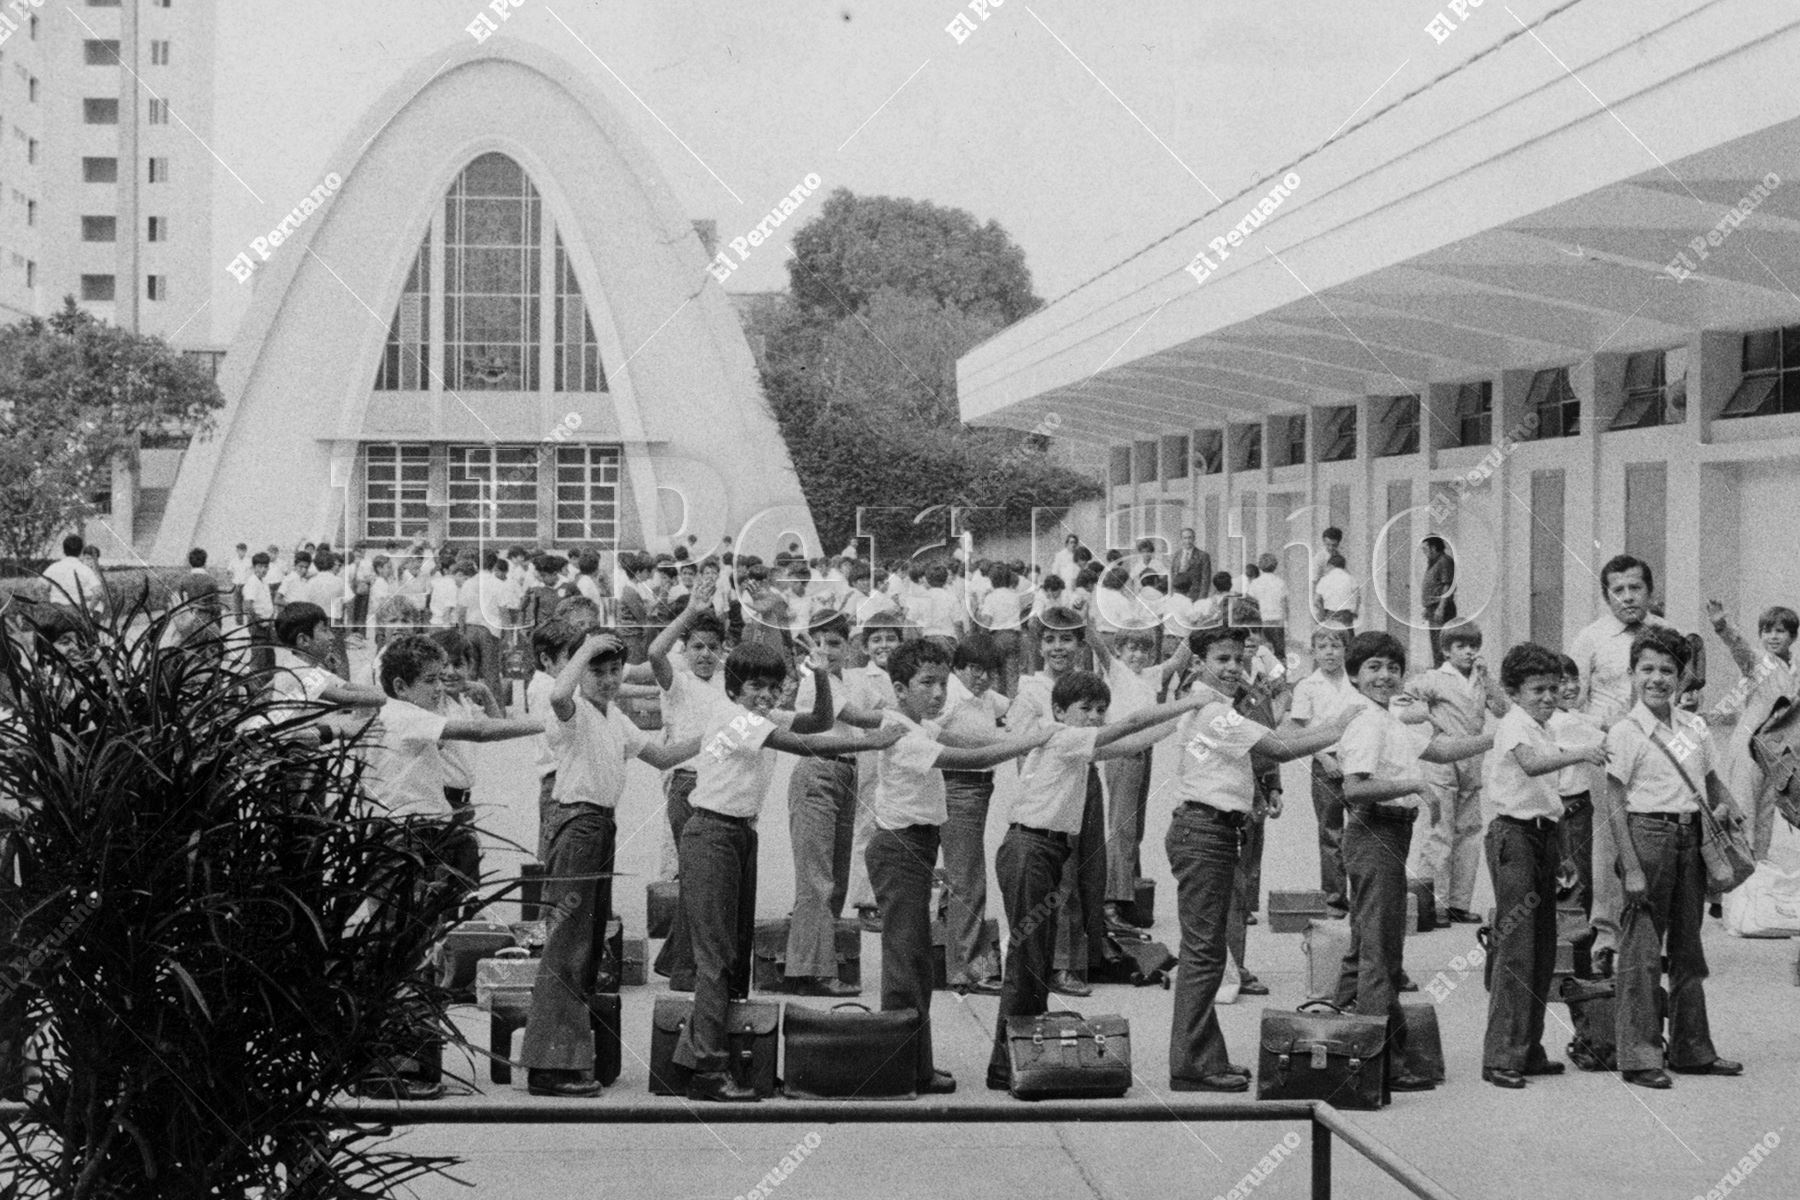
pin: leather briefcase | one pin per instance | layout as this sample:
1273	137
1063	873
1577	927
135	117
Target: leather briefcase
750	1027
661	899
1319	1052
603	1017
1064	1055
850	1053
1423	1055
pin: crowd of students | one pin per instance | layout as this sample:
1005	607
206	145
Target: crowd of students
1578	775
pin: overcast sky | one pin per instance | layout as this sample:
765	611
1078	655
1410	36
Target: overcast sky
1086	129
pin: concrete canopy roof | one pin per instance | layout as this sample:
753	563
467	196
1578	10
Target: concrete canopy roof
1519	211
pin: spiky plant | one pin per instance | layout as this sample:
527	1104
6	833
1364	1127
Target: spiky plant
215	934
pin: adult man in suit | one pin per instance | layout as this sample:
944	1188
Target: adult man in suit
1190	570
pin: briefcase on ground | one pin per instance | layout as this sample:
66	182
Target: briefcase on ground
750	1027
1424	1053
467	944
1141	911
661	899
1065	1056
1320	1052
603	1015
1593	1011
1138	963
940	949
1293	912
1326	943
850	1053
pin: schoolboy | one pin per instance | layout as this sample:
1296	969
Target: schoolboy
465	698
1657	760
933	609
1457	696
973	711
1524	847
1572	729
910	813
592	741
718	843
868	688
1324	693
1380	755
303	662
1055	783
1769	674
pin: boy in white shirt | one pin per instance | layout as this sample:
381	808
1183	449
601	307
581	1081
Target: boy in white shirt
593	741
934	609
1572	729
972	713
868	688
1319	697
910	812
1518	784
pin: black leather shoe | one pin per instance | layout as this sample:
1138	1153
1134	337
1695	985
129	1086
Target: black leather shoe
942	1083
1544	1068
1503	1077
1462	916
999	1081
1653	1078
1407	984
1234	1069
1718	1066
1067	983
1410	1083
397	1087
829	985
1252	986
567	1084
1716	911
720	1087
1250	919
1225	1081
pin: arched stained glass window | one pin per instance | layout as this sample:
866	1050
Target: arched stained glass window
407	356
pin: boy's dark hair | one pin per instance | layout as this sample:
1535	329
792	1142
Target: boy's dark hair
1779	617
1116	578
1001	575
856	572
1336	633
553	639
1153	581
464	568
1335	560
1221	581
1568	667
1662	640
1525	660
259	559
707	622
300	617
1052	583
1252	571
836	623
937	575
1083	556
73	545
1332	534
325	560
908	659
1460	633
549	564
1202	640
569	607
587	562
1089	575
1059	619
1434	542
196	556
881	620
1365	646
406	658
302	558
456	647
1618	564
1146	639
1077	686
978	650
753	662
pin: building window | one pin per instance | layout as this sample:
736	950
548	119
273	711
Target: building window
396	492
1555	403
31	149
493	232
100	170
211	360
406	360
33	29
1400	426
98	53
100	111
577	352
101	496
1771	383
156	287
159	112
1120	466
157	230
159	170
31	212
1248	451
587	495
1337	433
1209	452
1475	413
1655	390
1293	440
97	287
103	3
1175	456
30	273
159	52
31	84
493	493
1143	459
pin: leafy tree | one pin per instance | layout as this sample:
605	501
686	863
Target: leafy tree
76	393
859	367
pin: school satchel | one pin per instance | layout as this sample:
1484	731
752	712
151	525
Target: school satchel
661	899
750	1043
1065	1056
1138	963
1725	849
1593	1009
1775	746
850	1053
603	1017
1320	1052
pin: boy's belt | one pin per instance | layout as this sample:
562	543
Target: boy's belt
1224	816
1054	835
1666	818
1529	822
972	775
719	816
1378	812
845	760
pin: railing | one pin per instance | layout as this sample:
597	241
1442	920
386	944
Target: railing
1326	1121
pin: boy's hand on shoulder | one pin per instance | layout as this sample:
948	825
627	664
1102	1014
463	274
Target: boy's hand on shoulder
886	736
1595	755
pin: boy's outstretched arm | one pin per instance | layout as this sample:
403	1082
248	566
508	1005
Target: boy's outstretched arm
952	758
1446	749
821	718
1156	714
1294	741
789	742
667	755
485	729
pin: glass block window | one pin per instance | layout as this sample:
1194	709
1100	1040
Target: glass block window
587	495
493	493
396	492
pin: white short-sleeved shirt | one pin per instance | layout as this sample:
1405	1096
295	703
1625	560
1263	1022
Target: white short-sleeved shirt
1575	731
684	704
258	598
1320	697
444	598
1053	781
1031	703
406	763
909	789
1338	591
591	749
968	715
1214	765
808	693
459	757
1379	745
537	702
934	612
1653	784
1132	691
733	771
1506	790
1000	609
73	583
297	680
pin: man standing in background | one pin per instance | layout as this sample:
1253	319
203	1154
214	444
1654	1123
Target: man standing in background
1190	570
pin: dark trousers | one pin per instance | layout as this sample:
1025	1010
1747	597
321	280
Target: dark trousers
1081	925
822	825
970	955
902	865
676	958
559	1032
1668	921
546	815
1127	796
1522	858
1577	829
1203	845
262	647
487	657
1246	889
1375	850
1029	865
1328	807
718	897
